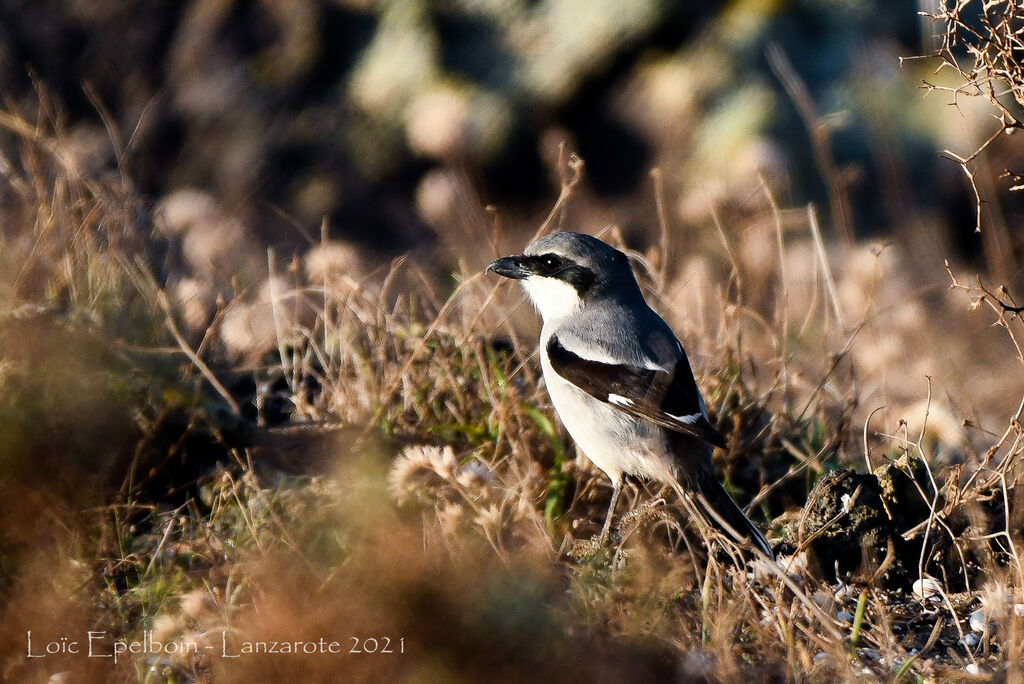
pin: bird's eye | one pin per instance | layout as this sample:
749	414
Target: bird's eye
550	261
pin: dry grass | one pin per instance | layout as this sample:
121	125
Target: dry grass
377	459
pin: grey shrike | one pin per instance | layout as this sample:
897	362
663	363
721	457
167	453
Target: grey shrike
618	377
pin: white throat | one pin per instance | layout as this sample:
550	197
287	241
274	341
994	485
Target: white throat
554	299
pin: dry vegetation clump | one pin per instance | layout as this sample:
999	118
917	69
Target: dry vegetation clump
383	462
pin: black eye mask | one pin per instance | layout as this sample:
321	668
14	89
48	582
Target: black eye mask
562	268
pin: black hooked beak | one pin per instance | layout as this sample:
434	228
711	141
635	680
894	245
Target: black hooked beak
510	267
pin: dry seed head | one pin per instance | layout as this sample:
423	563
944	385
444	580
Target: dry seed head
331	261
443	461
194	299
275	288
165	627
198	604
413	462
217	249
253	328
451	516
402	476
489	518
474	475
184	209
996	599
248	329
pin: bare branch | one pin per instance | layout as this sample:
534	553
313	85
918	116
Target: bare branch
982	41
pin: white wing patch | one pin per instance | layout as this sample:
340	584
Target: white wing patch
619	400
689	420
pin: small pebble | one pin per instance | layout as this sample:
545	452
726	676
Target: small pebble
820	657
870	654
1018	609
843	616
927	587
972	668
978	622
970	640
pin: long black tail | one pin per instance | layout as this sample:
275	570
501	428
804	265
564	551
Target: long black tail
713	503
723	514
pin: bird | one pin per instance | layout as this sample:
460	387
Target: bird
619	379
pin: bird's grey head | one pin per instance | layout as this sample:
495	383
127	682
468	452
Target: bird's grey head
565	271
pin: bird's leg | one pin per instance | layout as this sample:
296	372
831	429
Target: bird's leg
659	498
616	490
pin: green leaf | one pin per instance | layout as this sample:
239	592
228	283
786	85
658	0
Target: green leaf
559	482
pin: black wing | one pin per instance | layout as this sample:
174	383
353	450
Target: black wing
670	400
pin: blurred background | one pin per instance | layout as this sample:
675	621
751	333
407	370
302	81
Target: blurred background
398	121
